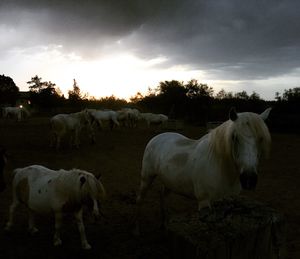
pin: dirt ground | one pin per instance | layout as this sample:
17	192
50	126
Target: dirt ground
117	157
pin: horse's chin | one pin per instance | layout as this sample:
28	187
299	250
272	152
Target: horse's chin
248	181
2	187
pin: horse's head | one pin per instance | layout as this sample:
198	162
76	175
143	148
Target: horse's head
250	142
3	161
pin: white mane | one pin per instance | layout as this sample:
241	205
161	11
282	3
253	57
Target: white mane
223	138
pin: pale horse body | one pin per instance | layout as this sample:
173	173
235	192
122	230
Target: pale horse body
153	118
47	191
212	167
129	116
102	116
17	113
70	124
3	161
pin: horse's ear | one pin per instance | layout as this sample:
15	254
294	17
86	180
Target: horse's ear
233	114
265	114
82	180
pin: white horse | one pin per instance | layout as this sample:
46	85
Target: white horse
72	124
210	168
102	116
129	116
3	161
153	118
47	191
17	113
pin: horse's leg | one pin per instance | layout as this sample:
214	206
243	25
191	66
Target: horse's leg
111	124
58	139
91	131
164	212
81	228
100	124
12	209
144	187
31	223
115	123
58	221
53	140
76	140
202	204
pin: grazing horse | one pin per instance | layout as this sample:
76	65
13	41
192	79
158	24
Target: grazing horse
15	112
217	165
72	124
43	190
3	161
129	117
152	118
102	116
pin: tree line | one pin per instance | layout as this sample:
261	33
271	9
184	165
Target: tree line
192	102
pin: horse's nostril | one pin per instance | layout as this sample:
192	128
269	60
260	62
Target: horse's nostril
2	187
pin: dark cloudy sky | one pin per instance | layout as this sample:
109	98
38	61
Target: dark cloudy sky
121	47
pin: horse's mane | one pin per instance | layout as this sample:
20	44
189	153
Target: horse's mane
219	141
221	138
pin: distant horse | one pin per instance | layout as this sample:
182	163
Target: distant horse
47	191
70	125
17	113
102	116
3	161
210	168
129	117
153	118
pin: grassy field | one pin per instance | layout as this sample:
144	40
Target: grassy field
117	157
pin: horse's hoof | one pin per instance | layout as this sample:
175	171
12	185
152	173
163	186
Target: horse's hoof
7	228
86	246
33	231
57	242
136	231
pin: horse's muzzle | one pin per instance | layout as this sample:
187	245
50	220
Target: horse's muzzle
248	180
2	186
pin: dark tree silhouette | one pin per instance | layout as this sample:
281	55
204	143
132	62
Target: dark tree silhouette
36	84
254	96
291	95
198	90
75	94
44	94
222	94
242	95
9	92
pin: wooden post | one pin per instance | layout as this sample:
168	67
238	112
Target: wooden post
234	228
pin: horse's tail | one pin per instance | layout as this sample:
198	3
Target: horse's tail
102	192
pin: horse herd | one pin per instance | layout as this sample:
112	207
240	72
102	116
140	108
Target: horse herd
219	164
73	124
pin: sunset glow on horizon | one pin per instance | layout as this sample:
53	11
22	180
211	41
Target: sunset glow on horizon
120	48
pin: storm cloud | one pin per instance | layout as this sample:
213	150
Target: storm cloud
230	39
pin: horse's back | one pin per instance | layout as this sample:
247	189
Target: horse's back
62	122
33	173
165	147
169	157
